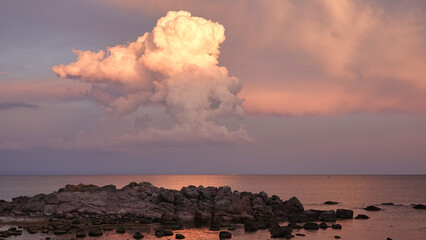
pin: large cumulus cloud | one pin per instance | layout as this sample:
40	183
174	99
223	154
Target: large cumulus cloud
176	66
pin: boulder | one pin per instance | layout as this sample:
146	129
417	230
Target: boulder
280	232
167	196
179	236
293	205
311	226
344	214
328	216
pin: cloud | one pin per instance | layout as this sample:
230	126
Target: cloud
11	105
318	57
175	66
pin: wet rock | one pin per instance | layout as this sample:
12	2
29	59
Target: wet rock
280	232
225	235
419	206
294	226
311	226
344	214
336	226
328	216
95	232
294	205
388	204
323	225
179	236
300	234
121	230
372	208
330	203
362	216
138	235
312	215
337	237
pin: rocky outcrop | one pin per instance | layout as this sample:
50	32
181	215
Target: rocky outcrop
146	203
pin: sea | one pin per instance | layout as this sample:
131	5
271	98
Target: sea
398	222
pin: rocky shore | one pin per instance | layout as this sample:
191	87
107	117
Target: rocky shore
89	210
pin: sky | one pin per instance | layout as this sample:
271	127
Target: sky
213	87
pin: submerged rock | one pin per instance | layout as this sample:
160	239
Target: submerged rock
330	203
419	206
362	216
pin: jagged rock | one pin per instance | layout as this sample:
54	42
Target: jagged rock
294	205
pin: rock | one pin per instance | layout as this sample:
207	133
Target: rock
344	214
372	208
167	232
121	230
225	235
294	226
312	215
323	225
294	205
95	232
300	234
362	216
419	206
311	226
388	238
337	237
336	226
388	204
159	233
280	232
328	216
167	196
32	231
138	235
330	203
179	236
60	231
80	234
250	226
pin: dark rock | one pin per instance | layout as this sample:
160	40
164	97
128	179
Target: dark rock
311	226
388	204
372	208
294	205
323	225
167	232
330	203
225	235
250	226
294	226
419	206
232	228
159	233
337	237
344	214
179	236
312	215
80	234
328	216
300	234
95	232
388	238
362	216
138	235
60	231
121	230
109	187
280	232
32	231
167	196
336	226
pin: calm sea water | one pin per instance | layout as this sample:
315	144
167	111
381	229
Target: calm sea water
353	192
